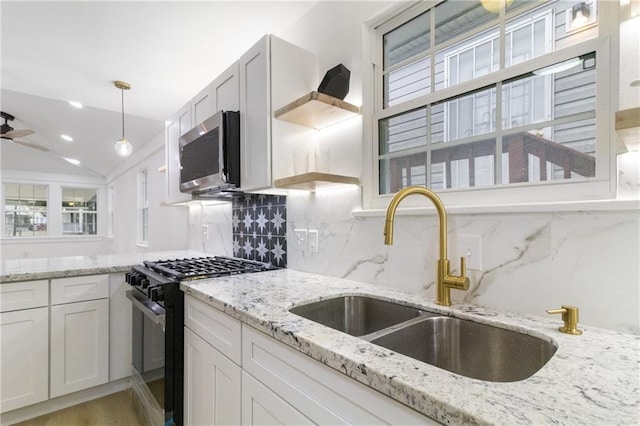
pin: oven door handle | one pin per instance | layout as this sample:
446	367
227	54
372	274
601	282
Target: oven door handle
152	310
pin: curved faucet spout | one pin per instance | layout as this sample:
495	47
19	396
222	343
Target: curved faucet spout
445	281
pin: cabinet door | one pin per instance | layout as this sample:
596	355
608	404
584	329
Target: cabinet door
211	384
255	117
226	90
202	106
184	117
79	346
261	406
172	156
24	358
320	393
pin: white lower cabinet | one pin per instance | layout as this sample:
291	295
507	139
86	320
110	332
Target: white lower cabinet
79	346
279	384
24	358
211	384
261	406
318	392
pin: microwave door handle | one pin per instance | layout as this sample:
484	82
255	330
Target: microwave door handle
222	150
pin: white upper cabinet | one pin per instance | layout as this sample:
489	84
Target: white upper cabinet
202	106
225	90
272	73
222	94
176	126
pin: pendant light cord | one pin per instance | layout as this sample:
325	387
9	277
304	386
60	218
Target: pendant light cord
122	92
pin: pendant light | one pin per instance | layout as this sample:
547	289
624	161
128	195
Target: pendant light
493	6
123	147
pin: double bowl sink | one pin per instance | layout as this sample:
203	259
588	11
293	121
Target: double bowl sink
464	347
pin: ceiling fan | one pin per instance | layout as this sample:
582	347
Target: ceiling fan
8	133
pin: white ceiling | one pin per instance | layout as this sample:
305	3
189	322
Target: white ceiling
54	51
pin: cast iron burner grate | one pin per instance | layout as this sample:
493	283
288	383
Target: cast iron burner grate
206	267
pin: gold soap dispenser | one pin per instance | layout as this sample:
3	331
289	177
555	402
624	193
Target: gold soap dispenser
570	318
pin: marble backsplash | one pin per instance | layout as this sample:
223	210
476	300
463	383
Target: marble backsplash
530	261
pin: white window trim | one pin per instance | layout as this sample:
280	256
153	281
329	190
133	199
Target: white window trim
602	187
141	204
73	186
54	184
110	212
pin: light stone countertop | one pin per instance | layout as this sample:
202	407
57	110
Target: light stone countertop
591	379
13	270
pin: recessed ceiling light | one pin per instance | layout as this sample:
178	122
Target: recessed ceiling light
75	104
72	161
67	138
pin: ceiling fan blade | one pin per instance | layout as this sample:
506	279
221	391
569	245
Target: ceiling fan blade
17	134
31	145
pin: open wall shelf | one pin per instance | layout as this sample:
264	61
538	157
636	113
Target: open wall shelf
317	110
313	180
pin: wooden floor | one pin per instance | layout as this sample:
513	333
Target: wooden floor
114	409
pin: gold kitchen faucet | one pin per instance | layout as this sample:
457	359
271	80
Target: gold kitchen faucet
445	281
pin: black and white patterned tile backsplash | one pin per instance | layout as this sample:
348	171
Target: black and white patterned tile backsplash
260	228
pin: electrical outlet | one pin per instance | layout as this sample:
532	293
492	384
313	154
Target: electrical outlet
313	240
469	247
301	239
205	232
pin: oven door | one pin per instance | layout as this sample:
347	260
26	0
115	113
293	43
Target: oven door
148	357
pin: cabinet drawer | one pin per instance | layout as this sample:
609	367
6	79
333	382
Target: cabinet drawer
319	392
215	327
24	295
78	289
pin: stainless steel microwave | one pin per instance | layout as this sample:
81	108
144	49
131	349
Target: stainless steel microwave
210	155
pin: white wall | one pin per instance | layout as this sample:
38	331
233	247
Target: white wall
168	225
531	261
216	217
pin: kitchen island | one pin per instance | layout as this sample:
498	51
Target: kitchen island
591	379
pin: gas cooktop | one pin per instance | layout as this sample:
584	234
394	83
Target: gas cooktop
205	267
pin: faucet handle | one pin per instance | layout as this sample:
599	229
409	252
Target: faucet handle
570	318
463	266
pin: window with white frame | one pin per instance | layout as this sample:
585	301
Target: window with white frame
110	213
143	207
470	98
25	210
79	211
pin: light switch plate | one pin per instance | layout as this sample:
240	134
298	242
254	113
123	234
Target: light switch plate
301	239
313	240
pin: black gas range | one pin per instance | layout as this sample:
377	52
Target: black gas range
158	334
151	277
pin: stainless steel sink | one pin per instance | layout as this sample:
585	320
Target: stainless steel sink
471	349
356	315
